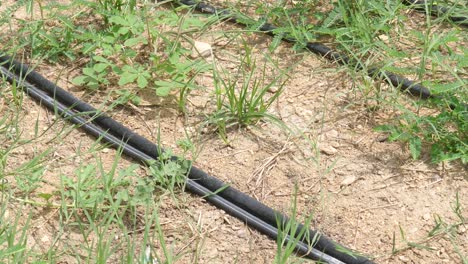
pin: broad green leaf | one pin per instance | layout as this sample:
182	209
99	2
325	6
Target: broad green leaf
100	59
123	31
132	42
142	82
109	39
128	68
89	71
163	91
118	20
80	80
100	67
127	77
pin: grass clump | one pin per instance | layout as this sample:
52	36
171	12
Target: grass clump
289	234
244	98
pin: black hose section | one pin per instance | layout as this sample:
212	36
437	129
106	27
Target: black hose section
436	10
116	129
404	84
191	185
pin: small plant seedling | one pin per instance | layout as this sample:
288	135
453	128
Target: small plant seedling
289	234
244	99
168	174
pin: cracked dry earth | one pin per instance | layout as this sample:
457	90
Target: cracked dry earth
360	189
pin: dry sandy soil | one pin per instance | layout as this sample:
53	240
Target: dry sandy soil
360	189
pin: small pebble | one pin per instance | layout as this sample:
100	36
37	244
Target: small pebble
404	259
332	134
348	180
382	138
384	38
461	230
201	49
426	217
273	89
329	150
242	234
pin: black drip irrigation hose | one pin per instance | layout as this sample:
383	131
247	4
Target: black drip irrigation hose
404	84
247	209
436	10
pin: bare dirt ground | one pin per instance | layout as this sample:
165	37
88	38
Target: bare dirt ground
360	189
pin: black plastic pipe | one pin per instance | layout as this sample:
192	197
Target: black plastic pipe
404	84
115	129
436	10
